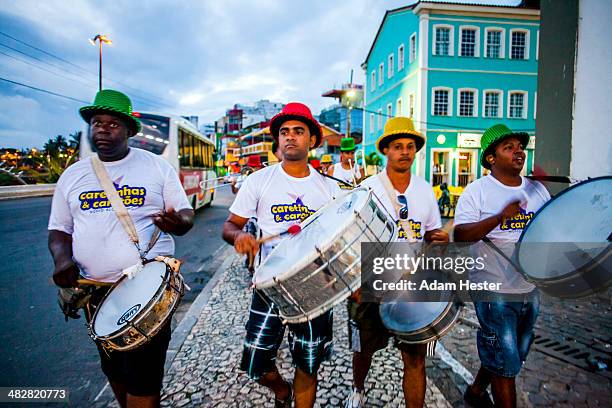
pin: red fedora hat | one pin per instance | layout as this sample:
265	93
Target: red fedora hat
296	111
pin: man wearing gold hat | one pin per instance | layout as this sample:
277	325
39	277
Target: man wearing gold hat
411	201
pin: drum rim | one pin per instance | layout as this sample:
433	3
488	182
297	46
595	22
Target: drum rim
449	304
546	204
456	305
520	240
139	316
313	256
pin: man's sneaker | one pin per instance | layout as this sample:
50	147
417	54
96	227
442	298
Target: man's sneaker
286	403
356	399
477	401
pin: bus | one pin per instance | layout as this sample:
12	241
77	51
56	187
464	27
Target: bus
179	142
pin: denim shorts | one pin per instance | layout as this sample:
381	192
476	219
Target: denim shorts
310	343
506	333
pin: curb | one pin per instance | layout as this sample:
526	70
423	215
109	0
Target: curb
30	190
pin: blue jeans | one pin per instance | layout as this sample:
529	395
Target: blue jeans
506	333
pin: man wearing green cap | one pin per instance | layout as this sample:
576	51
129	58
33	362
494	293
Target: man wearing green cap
412	203
85	237
492	212
347	170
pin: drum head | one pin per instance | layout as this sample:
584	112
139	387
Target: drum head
320	230
407	317
570	231
128	298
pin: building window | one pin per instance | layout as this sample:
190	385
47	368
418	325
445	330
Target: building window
442	102
381	73
519	44
470	43
413	47
535	104
380	119
517	105
467	102
398	107
411	105
400	57
389	111
371	123
494	43
373	80
443	40
492	104
390	66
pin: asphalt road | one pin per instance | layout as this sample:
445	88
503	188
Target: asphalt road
37	347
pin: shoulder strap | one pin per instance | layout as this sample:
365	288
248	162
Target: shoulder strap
386	182
336	179
117	204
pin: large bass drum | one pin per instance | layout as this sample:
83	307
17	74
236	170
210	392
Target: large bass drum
309	273
565	249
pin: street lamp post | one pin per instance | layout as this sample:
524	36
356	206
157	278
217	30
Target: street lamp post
101	38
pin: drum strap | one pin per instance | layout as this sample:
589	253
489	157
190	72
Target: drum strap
120	210
386	182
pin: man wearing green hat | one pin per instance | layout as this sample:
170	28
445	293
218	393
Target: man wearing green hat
492	212
412	203
85	237
347	170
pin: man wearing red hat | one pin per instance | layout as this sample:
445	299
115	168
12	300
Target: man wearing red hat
411	201
279	196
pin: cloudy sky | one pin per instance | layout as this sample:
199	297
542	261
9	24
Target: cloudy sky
195	57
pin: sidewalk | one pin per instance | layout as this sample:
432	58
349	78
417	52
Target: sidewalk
205	370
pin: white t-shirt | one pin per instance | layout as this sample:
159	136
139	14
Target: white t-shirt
423	212
346	175
486	197
279	200
101	247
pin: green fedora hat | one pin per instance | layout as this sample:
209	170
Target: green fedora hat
114	103
495	134
347	144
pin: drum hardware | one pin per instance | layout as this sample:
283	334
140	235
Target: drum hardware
290	297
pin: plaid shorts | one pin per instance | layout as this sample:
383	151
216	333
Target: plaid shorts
310	343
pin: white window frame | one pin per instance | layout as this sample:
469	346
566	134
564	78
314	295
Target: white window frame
413	48
500	102
411	103
525	103
372	123
451	39
380	119
373	80
399	107
502	42
389	111
476	40
390	65
535	104
381	74
475	109
519	30
401	57
450	99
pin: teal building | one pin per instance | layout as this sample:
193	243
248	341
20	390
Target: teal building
456	69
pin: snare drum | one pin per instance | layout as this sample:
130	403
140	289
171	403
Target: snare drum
565	249
134	310
309	273
421	322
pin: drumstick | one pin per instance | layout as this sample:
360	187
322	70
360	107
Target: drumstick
84	281
293	230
